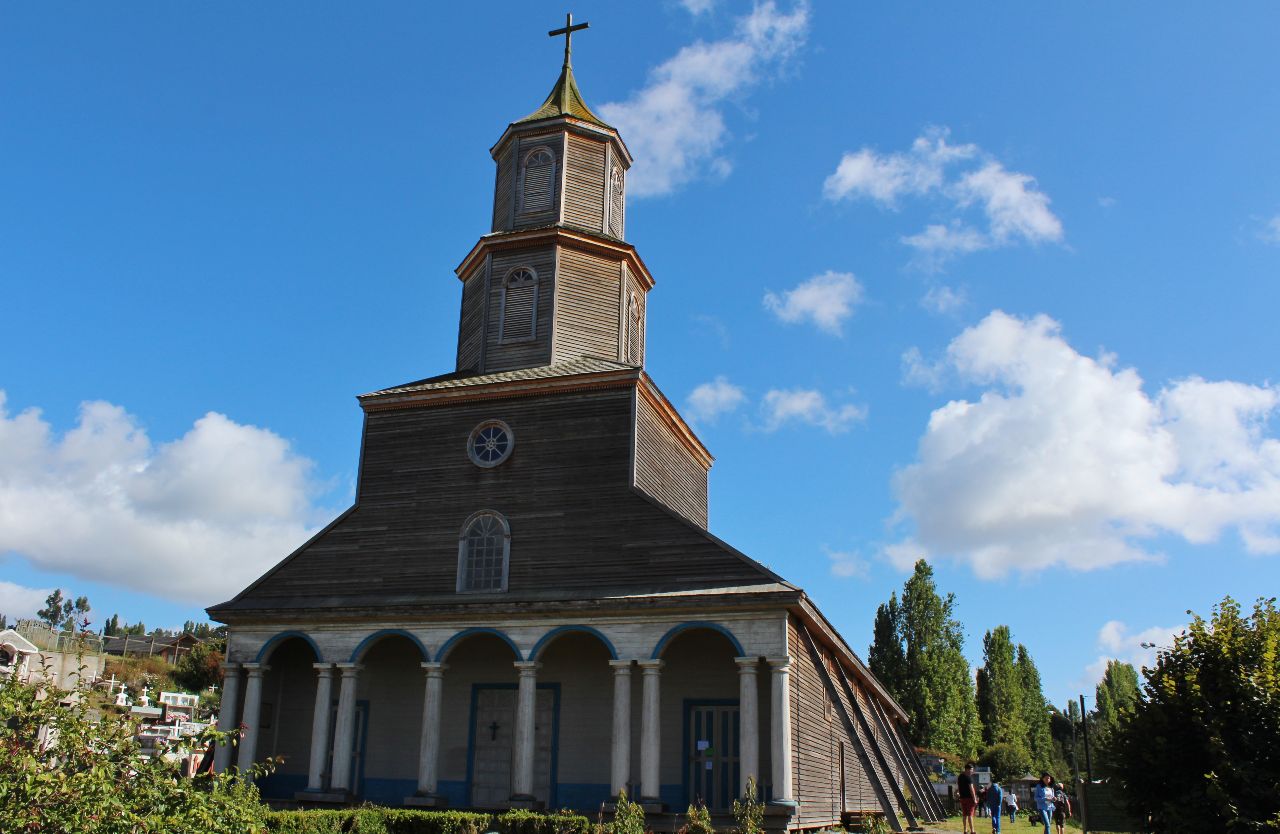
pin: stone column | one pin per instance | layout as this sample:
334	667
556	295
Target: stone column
780	727
620	773
748	722
344	733
525	744
429	745
252	714
227	713
651	732
320	726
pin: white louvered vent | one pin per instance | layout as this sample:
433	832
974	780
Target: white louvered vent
519	305
617	203
537	181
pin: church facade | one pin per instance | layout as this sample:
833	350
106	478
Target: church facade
524	607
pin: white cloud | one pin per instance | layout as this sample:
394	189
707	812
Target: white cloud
942	299
826	300
959	177
847	565
698	7
810	407
1065	460
903	555
1117	642
674	125
19	601
1270	232
710	400
196	518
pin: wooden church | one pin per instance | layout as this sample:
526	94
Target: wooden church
524	607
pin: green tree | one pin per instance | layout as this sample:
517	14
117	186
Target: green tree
1035	712
4	622
885	657
200	668
1116	697
111	627
1201	749
1001	704
1007	761
60	612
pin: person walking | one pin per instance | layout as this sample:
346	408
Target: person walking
1043	795
1061	808
995	802
967	788
1011	800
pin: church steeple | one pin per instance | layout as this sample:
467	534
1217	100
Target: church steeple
565	98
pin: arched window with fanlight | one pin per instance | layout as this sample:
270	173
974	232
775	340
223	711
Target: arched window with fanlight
484	550
617	202
537	180
519	322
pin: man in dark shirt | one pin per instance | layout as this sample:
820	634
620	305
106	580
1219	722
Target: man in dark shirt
966	787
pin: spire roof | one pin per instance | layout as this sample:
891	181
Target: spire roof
565	99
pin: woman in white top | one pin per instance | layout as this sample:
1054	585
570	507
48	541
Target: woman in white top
1043	795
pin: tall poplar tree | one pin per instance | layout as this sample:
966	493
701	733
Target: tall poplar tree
1035	712
1002	709
885	656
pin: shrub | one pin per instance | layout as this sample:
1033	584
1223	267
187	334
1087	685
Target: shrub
749	813
699	820
409	821
628	818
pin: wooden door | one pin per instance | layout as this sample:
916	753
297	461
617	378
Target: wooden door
493	731
712	757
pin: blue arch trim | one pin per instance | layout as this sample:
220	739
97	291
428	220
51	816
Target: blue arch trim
582	629
270	646
666	638
469	632
387	632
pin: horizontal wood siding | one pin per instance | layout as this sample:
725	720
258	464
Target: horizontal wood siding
504	355
586	306
665	468
528	219
504	190
585	184
471	320
577	526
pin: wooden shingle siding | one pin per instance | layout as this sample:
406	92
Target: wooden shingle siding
665	468
471	320
586	304
504	190
500	354
584	183
539	207
577	526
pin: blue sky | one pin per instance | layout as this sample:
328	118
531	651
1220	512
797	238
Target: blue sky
994	286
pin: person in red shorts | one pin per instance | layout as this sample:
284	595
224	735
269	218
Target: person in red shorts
967	788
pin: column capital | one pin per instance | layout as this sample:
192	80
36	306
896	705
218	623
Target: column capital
747	665
349	670
779	664
255	669
650	667
621	667
434	669
230	667
324	670
528	667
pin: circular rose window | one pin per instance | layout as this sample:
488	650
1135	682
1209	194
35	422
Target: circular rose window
490	443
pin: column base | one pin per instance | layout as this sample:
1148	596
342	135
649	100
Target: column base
426	800
652	806
324	797
524	802
781	808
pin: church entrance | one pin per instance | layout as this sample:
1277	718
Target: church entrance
493	721
712	754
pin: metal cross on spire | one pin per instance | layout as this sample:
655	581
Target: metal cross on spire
567	31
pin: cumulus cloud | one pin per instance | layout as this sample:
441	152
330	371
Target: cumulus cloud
959	177
698	7
826	300
942	299
808	407
19	601
675	124
196	518
1117	642
1065	459
847	565
710	400
1270	231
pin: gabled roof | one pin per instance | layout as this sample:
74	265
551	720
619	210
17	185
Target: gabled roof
565	99
464	379
9	637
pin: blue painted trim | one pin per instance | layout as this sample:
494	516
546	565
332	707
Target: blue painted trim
364	748
688	705
555	734
367	642
581	629
277	639
666	638
443	653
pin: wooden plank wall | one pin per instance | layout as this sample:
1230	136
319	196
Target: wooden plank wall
577	525
531	219
499	355
585	184
504	189
817	734
665	468
471	320
586	307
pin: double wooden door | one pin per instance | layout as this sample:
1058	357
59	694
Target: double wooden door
493	734
711	761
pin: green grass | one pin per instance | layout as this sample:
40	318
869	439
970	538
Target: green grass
1024	825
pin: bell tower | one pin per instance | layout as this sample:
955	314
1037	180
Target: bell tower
555	279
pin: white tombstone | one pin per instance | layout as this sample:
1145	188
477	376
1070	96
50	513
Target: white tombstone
144	700
122	697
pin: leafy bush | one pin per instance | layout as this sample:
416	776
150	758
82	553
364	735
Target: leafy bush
409	821
699	820
529	822
749	813
63	769
628	817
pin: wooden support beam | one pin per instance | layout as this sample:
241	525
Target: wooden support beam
926	802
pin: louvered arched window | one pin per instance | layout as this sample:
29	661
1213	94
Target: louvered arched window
519	305
635	326
537	180
484	550
617	202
